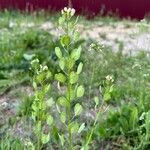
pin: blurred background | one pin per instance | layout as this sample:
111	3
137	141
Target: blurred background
124	8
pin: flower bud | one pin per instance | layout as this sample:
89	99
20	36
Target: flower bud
72	11
65	9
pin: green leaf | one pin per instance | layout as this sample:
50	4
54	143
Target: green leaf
28	56
63	117
45	138
111	89
81	128
40	77
62	63
76	53
107	96
74	127
96	99
63	101
70	63
133	117
49	120
58	52
58	109
76	35
38	127
61	20
80	91
73	77
79	69
50	102
60	77
34	85
65	40
62	140
77	109
46	88
48	75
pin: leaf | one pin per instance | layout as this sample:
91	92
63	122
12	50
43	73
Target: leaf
60	77
65	40
70	63
81	128
76	53
49	120
46	88
38	127
96	99
111	89
62	140
79	69
63	117
50	102
34	85
58	109
62	63
63	101
48	75
124	124
80	91
45	138
77	109
58	52
73	77
107	96
74	127
40	77
28	56
61	20
133	117
76	35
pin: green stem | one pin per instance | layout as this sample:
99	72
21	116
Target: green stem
39	143
69	114
39	140
93	127
69	95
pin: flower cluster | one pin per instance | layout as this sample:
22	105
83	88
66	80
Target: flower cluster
37	67
110	78
69	11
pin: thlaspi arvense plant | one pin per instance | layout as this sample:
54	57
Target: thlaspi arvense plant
68	77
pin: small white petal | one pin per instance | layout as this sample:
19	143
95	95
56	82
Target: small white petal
62	12
65	9
72	11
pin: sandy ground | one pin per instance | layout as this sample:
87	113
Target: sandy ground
132	38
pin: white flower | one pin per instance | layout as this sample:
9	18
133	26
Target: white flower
68	11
